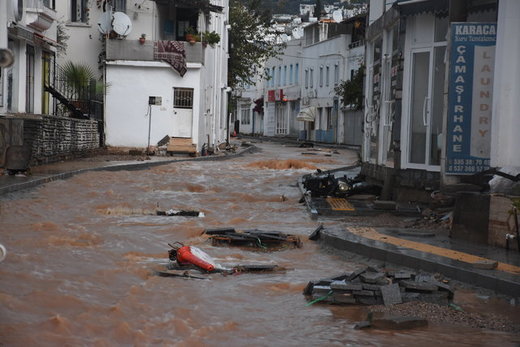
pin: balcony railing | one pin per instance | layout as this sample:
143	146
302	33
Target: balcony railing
38	15
134	50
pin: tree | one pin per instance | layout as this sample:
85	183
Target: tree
252	41
351	91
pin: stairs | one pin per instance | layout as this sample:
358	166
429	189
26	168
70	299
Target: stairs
75	112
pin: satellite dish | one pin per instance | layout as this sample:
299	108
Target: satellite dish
121	24
6	57
104	23
337	16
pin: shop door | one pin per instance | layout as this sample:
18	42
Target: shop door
426	108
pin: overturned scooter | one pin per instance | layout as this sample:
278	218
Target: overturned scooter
187	257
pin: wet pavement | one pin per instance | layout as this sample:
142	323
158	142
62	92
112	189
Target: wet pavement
82	253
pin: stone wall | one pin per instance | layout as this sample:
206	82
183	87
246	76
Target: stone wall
47	138
58	138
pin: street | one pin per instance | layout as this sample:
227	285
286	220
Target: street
82	254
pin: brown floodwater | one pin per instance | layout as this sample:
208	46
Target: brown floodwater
82	253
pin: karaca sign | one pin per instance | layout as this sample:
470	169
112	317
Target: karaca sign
470	97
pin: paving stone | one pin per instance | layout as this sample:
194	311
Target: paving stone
403	275
376	268
356	273
369	300
320	290
423	278
372	277
444	287
339	285
354	286
391	294
376	288
363	293
343	298
421	286
410	296
398	322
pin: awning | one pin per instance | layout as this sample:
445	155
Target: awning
416	7
307	114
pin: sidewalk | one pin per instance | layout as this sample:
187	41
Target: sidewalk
62	170
493	268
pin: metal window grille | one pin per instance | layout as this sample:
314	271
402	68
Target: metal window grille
182	97
79	9
119	5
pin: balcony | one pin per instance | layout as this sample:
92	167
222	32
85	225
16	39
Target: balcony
134	50
38	16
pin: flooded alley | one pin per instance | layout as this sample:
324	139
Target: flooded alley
82	253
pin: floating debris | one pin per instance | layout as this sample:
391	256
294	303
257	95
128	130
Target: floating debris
252	238
370	286
181	213
191	262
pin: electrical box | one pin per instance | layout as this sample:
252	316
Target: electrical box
155	100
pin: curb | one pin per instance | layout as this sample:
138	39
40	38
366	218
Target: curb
116	167
499	282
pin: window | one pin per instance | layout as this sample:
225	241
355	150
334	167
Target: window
279	75
321	76
327	72
50	4
183	97
328	111
245	117
297	74
29	86
312	78
306	78
79	11
119	5
336	74
291	80
273	76
284	80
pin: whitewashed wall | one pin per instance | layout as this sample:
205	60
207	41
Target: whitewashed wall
130	84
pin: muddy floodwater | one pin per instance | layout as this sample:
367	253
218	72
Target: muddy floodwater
82	254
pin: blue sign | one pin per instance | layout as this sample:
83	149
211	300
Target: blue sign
470	97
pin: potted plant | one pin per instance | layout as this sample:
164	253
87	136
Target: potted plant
190	33
211	38
142	39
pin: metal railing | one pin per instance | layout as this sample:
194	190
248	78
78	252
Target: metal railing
81	97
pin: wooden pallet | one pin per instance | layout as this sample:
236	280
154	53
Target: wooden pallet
181	145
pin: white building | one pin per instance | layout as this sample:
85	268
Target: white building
282	91
330	56
28	28
142	51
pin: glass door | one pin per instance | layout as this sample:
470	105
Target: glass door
426	107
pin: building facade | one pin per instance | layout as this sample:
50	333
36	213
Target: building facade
157	82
